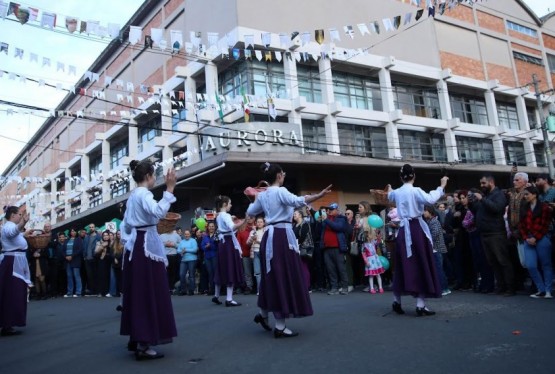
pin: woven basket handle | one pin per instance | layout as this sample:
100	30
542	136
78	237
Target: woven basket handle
262	184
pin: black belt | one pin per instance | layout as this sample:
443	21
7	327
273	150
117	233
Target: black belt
16	250
275	223
145	226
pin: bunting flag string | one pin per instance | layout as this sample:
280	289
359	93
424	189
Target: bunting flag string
208	43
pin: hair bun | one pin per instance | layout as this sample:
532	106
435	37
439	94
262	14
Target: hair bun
6	207
133	165
407	172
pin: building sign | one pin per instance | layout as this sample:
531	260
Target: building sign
252	137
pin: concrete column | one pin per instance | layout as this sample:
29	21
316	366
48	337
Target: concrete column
86	173
493	118
388	102
444	102
291	80
53	199
68	190
105	170
525	126
330	122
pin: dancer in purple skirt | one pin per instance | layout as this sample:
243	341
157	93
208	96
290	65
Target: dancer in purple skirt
415	272
229	271
283	290
15	277
147	315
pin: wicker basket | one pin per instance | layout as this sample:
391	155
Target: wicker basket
39	241
168	223
380	197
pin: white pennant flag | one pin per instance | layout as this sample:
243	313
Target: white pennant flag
249	40
135	34
363	28
334	35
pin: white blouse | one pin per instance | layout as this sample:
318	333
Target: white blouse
143	210
12	240
410	203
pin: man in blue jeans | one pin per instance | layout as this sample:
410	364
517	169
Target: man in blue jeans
334	245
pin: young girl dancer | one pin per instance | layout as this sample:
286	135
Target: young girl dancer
230	267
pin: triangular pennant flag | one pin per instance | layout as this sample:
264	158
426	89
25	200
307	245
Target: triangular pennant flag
48	19
419	14
334	35
135	33
249	41
268	56
258	55
266	38
397	21
375	27
387	24
408	18
349	31
363	29
305	38
284	40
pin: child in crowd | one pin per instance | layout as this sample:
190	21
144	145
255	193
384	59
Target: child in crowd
373	265
430	215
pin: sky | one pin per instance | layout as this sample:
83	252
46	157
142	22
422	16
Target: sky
71	49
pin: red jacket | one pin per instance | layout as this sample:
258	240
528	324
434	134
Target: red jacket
535	223
242	237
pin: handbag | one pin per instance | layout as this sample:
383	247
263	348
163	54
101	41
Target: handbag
252	192
355	250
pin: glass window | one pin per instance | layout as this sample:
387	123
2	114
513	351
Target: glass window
366	141
507	115
95	165
532	121
422	146
119	189
475	150
314	137
469	109
95	200
308	78
522	29
540	155
551	62
180	116
416	101
514	152
118	152
148	131
355	91
527	58
253	78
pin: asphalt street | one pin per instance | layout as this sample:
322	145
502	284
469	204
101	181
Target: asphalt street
357	333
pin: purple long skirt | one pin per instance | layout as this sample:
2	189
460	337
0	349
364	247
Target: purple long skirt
416	275
283	290
13	296
230	267
147	315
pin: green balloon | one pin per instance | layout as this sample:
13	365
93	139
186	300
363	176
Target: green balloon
200	223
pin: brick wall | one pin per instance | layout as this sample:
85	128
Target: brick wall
549	41
490	22
530	51
521	36
462	13
156	78
464	66
504	74
172	63
524	72
171	6
155	22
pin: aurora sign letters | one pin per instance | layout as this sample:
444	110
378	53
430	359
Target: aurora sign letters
252	137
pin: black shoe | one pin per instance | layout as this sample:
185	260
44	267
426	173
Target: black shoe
263	322
424	312
131	346
119	308
142	355
217	301
9	332
397	308
282	334
232	303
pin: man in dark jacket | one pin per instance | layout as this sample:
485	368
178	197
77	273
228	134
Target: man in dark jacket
489	210
334	244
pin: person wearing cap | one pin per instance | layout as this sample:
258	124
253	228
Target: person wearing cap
333	242
415	272
545	188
